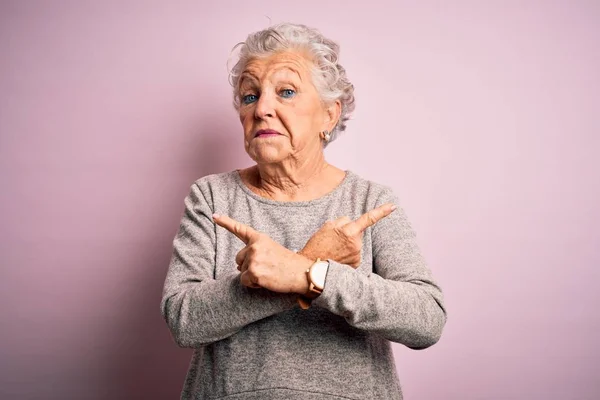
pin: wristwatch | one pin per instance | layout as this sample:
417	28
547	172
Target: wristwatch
316	282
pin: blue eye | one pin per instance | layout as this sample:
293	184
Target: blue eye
249	98
287	93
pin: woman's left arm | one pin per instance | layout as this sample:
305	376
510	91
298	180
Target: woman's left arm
400	300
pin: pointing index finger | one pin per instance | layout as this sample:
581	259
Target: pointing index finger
371	218
244	232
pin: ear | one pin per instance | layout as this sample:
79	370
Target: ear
332	115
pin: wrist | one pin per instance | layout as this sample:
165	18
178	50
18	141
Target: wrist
307	254
315	278
301	281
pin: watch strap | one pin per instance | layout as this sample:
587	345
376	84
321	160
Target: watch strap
313	292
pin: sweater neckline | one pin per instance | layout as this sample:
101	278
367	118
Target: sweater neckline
304	203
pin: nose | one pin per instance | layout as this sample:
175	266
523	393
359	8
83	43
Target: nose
265	106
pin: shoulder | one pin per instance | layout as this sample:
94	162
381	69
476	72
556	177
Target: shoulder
218	181
373	192
395	224
214	186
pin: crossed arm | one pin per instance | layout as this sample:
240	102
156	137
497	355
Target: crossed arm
264	263
400	302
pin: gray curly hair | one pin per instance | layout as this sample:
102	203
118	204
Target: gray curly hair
329	77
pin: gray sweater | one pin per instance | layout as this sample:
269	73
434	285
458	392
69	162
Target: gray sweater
257	344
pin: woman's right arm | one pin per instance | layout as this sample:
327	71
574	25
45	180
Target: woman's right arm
198	308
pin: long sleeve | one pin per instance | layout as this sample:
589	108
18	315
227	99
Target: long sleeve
198	308
399	300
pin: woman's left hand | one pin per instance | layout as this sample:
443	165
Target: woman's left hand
264	263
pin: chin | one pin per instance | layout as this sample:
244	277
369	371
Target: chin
267	160
267	155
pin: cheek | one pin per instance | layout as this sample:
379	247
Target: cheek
246	119
302	120
243	112
307	110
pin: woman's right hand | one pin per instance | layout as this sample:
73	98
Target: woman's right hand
341	240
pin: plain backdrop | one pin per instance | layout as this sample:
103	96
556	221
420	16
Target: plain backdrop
482	115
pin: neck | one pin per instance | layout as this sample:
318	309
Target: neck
293	181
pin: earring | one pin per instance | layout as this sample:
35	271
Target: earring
325	135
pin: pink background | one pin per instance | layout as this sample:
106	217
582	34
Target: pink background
483	116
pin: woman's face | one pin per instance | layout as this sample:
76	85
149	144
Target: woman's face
280	109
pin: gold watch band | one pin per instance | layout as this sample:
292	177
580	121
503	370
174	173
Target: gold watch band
313	292
304	302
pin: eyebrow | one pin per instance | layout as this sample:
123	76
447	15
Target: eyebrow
293	70
249	75
245	76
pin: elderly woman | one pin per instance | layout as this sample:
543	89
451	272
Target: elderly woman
290	278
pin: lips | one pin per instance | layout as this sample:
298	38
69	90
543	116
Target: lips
266	133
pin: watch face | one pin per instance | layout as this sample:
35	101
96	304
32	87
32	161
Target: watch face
318	272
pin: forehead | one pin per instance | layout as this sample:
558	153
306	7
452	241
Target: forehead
281	63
